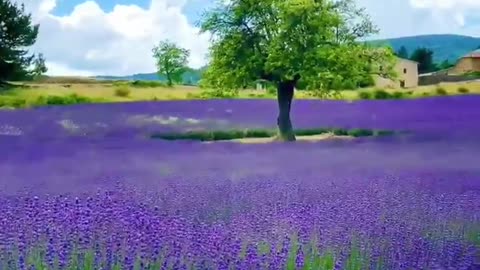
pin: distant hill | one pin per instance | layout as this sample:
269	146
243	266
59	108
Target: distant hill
444	47
190	77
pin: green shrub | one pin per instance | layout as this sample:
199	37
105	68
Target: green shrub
221	135
122	91
56	100
472	74
340	132
21	102
348	85
383	132
219	93
145	84
13	102
258	133
366	81
397	95
140	84
360	132
463	90
5	101
301	85
364	95
39	101
409	92
271	90
381	94
77	99
310	132
202	84
441	91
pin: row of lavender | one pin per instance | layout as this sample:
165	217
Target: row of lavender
407	205
389	203
254	225
430	116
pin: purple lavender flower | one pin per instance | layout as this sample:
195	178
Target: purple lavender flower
408	201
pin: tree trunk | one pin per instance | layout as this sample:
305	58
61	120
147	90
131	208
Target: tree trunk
284	96
169	81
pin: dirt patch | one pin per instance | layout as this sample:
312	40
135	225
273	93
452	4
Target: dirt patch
309	138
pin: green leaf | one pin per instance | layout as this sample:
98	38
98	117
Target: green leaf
278	40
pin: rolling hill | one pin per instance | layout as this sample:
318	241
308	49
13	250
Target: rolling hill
444	47
190	77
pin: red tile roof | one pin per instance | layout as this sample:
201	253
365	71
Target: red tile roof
474	54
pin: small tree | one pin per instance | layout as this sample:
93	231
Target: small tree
17	33
171	61
283	41
39	67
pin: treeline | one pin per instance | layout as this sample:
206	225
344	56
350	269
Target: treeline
424	57
17	33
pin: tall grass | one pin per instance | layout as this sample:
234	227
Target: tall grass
12	101
297	256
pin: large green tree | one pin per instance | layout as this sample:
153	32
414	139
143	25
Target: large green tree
171	61
17	33
283	41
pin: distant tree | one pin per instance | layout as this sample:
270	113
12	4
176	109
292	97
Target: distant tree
424	57
282	42
17	33
39	67
402	53
171	61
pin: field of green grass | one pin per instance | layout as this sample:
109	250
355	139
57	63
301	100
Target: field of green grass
71	91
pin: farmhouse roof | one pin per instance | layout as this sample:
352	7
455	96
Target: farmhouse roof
474	54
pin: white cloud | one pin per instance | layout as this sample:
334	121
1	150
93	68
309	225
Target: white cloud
454	11
445	4
55	69
416	17
92	41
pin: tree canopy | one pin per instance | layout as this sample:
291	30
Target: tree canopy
402	53
424	57
171	61
276	40
17	33
284	41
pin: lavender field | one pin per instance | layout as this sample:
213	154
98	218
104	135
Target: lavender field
84	187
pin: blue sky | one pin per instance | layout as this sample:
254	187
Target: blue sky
115	37
193	9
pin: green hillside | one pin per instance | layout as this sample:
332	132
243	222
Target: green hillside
444	47
190	77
